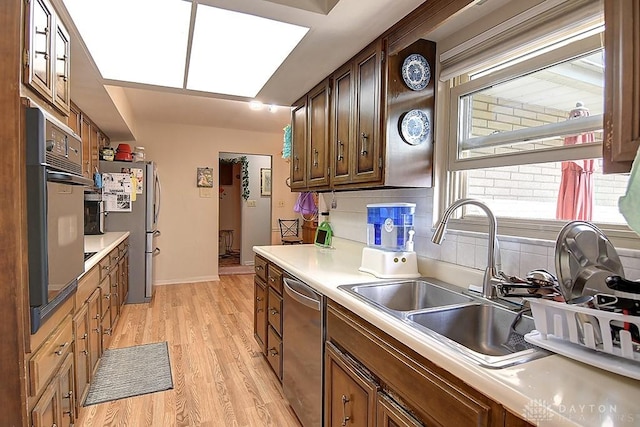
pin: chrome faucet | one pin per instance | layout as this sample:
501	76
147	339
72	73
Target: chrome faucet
490	278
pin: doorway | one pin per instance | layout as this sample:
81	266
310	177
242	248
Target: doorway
244	216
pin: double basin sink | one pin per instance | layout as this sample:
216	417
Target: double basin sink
481	330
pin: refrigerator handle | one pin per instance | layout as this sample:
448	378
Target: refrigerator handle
156	251
159	198
157	233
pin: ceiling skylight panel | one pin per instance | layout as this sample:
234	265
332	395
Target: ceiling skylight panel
235	54
141	41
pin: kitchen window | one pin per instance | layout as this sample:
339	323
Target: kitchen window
526	105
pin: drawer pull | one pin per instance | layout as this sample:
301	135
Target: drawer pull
84	337
61	349
273	351
273	311
85	352
259	299
107	296
259	267
108	331
345	418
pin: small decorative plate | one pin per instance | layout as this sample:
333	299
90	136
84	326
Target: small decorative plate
416	72
414	127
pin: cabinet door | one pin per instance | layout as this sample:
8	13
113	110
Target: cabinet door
274	311
85	134
114	283
622	86
350	397
259	313
74	121
46	413
39	30
298	171
67	393
82	349
342	126
62	67
318	145
390	414
274	351
94	139
95	330
123	280
367	149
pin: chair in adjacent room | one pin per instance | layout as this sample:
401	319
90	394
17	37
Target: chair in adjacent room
289	231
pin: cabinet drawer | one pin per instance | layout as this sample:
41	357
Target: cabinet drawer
50	356
274	276
86	285
105	265
274	311
274	352
261	267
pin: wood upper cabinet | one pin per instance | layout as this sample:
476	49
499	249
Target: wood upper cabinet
318	157
367	147
298	172
62	67
342	129
350	397
622	84
46	57
38	56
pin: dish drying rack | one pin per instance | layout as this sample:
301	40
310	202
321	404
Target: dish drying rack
570	330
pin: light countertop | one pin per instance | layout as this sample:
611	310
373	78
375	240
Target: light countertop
102	244
553	390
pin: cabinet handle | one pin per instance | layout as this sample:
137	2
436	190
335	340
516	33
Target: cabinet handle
340	151
97	316
296	163
363	150
84	337
315	158
107	296
345	418
108	331
61	349
273	351
273	311
85	352
272	279
259	267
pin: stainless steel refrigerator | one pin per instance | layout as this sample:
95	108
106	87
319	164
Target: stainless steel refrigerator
142	224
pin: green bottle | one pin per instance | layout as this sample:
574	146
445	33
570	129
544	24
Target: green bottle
324	233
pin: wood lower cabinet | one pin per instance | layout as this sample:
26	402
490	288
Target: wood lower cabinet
267	312
82	350
56	406
412	390
350	397
95	329
260	313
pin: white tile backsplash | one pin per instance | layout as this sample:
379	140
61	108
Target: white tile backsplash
519	255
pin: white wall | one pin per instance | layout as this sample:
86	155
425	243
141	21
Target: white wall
188	222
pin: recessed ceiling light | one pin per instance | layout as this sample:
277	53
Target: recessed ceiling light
255	105
147	44
234	53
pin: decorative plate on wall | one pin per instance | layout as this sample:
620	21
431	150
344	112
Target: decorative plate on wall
414	127
416	72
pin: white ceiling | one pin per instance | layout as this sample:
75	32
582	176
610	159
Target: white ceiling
333	38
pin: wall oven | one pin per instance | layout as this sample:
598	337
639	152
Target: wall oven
55	213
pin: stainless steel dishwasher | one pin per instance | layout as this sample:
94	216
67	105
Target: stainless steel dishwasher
303	335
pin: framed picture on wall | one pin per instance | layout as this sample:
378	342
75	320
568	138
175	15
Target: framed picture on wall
265	182
205	177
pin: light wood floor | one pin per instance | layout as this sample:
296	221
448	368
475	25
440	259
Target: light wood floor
220	378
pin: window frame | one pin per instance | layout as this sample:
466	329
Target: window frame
450	170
